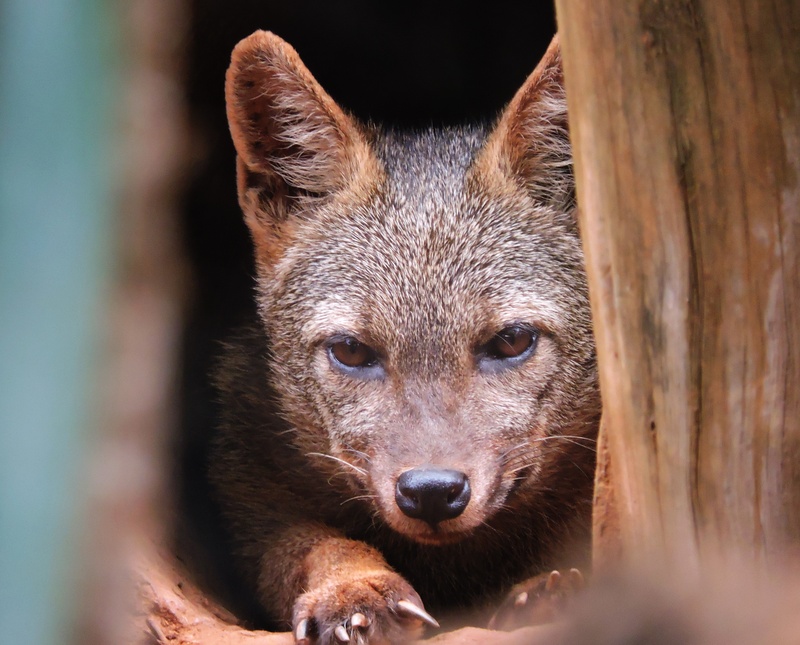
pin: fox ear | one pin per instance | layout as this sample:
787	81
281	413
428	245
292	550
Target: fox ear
531	139
292	140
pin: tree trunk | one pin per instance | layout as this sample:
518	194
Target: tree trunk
685	122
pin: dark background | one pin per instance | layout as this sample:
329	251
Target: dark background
407	64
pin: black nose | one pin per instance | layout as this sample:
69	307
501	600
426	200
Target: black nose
432	494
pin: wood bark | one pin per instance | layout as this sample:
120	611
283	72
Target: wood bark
685	122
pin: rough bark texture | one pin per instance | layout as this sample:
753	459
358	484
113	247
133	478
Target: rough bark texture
685	121
175	611
606	538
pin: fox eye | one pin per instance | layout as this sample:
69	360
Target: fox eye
510	342
510	346
349	354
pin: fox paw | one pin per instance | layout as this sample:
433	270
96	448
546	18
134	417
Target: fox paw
537	600
375	609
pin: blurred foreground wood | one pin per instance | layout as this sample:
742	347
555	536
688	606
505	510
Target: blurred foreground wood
128	477
732	605
685	122
174	611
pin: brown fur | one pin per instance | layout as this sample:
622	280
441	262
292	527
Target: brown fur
422	246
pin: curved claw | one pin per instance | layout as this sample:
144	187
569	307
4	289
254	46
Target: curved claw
408	608
577	579
553	581
341	634
301	632
359	620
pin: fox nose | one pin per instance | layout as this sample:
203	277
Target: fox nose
432	494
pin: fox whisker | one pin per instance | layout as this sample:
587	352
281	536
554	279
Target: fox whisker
358	453
344	462
573	439
356	497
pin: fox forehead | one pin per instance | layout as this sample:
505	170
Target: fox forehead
430	197
428	165
350	314
429	245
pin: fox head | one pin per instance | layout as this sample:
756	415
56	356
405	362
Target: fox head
423	295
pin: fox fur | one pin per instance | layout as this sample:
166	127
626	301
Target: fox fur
420	247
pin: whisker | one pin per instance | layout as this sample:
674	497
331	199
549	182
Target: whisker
490	527
518	468
510	454
574	440
519	446
358	453
355	497
566	436
344	462
527	462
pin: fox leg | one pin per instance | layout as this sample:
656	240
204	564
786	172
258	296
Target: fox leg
538	600
336	590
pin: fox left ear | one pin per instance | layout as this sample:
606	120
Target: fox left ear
293	142
530	141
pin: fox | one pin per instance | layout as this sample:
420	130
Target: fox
408	426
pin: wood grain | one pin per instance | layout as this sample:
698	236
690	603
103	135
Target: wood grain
685	122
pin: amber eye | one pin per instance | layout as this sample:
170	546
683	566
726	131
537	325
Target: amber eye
510	342
348	352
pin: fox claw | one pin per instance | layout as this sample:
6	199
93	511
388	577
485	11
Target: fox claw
553	582
409	609
576	579
358	620
360	612
301	633
538	600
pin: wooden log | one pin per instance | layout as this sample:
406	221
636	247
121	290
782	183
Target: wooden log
685	122
174	610
128	475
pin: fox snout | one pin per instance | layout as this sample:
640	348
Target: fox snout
432	494
432	499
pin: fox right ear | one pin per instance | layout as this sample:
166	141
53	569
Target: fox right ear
530	142
292	141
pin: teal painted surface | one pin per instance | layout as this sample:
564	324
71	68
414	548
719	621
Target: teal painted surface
54	238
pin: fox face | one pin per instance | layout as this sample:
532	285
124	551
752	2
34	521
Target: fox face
423	295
